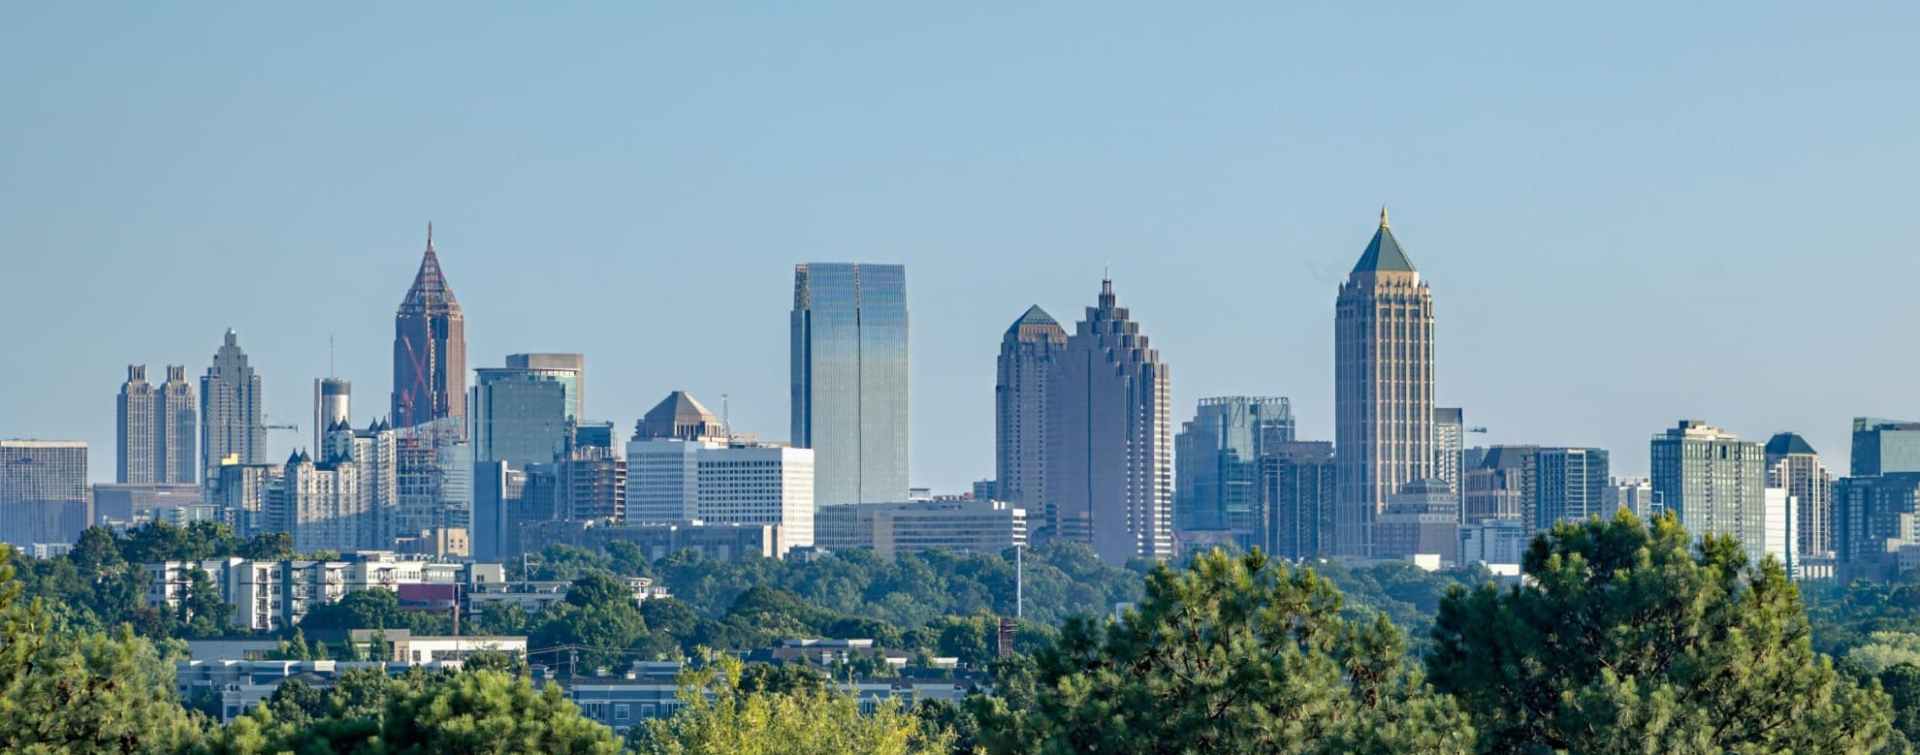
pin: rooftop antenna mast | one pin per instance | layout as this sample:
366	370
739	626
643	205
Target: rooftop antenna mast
726	416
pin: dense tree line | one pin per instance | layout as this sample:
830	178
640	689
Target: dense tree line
1628	637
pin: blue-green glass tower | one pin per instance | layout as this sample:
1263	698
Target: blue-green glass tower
849	379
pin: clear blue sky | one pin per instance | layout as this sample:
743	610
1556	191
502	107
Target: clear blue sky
1628	214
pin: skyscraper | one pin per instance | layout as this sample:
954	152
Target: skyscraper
1024	375
1571	485
232	416
569	370
1793	465
135	461
177	429
1217	455
519	416
1110	438
1449	439
1383	386
43	491
1300	488
429	349
1884	446
1715	482
332	406
849	379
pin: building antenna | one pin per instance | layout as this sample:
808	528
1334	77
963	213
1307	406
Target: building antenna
726	416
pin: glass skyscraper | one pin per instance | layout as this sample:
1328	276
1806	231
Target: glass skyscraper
1217	459
519	416
849	379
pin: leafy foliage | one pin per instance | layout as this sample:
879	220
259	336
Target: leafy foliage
1632	640
723	715
1232	655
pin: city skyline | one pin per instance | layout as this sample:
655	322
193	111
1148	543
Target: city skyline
1227	167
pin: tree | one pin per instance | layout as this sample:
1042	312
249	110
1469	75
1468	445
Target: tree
90	692
1234	654
720	717
491	712
598	589
203	608
1629	639
267	546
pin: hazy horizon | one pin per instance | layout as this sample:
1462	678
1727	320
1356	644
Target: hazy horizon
1627	218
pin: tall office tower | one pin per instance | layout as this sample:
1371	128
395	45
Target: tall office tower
758	484
1632	494
570	370
1383	386
1884	446
1571	485
680	416
849	389
1449	439
136	462
1875	518
429	349
519	416
1301	485
332	406
1217	458
1713	481
177	425
245	497
232	413
1792	464
499	509
1028	353
43	491
1499	484
1110	438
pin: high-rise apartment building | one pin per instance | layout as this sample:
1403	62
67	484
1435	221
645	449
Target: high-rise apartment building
323	506
1884	446
1632	494
433	467
232	411
1110	438
1029	352
1794	466
1500	483
1876	524
592	487
1715	482
332	407
374	453
518	415
1300	485
1571	485
136	462
43	491
429	349
1217	456
569	370
1449	440
849	379
1383	386
1422	519
177	429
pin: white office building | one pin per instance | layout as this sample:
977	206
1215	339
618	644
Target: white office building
952	525
670	480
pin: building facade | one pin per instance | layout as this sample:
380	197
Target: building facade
1110	438
1383	386
232	411
1884	446
1876	524
135	461
519	416
1795	467
1421	520
429	349
1029	353
1500	483
970	526
43	491
849	395
332	407
1449	441
176	430
1571	485
1300	486
1633	494
1217	486
569	370
1715	482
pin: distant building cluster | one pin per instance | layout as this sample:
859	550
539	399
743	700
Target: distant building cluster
496	462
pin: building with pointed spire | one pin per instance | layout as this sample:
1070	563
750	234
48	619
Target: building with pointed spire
1029	353
232	413
1110	438
1383	386
135	462
429	349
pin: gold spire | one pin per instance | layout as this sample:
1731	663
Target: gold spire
1383	218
